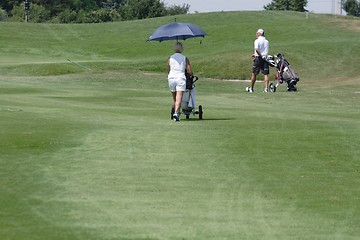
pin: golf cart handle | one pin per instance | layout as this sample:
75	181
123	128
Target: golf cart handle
195	78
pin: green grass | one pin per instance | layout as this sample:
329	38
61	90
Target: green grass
316	46
94	155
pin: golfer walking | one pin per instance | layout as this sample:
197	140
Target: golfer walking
261	46
177	63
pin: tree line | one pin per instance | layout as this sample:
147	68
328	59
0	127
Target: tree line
94	11
87	11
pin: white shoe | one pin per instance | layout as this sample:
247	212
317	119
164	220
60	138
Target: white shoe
176	117
266	90
249	89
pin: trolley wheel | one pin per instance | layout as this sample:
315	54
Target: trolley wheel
172	113
200	112
272	87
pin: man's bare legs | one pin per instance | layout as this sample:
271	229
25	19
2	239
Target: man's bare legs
266	82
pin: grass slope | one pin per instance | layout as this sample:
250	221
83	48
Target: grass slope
319	46
94	155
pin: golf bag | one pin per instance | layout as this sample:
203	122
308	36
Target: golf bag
285	73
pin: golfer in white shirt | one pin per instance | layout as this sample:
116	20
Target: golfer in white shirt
261	46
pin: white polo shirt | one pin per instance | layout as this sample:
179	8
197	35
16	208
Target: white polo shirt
263	45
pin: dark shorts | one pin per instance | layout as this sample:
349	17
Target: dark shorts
260	64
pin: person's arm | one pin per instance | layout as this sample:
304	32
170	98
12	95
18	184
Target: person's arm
188	67
258	52
168	63
257	49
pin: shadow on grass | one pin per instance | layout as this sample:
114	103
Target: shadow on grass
209	119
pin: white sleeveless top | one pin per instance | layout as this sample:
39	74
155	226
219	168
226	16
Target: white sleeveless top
177	66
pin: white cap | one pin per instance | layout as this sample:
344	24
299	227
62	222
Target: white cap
260	31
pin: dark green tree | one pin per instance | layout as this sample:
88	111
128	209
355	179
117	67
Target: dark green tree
91	11
8	5
289	5
352	7
177	9
140	9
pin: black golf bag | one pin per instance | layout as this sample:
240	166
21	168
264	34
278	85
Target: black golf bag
285	73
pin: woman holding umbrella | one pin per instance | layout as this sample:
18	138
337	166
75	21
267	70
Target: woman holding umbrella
177	64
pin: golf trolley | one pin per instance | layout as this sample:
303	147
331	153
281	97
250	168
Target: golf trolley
285	73
188	102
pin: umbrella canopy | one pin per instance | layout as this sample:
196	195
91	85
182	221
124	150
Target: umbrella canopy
176	31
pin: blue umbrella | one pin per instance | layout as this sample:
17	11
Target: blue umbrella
176	31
